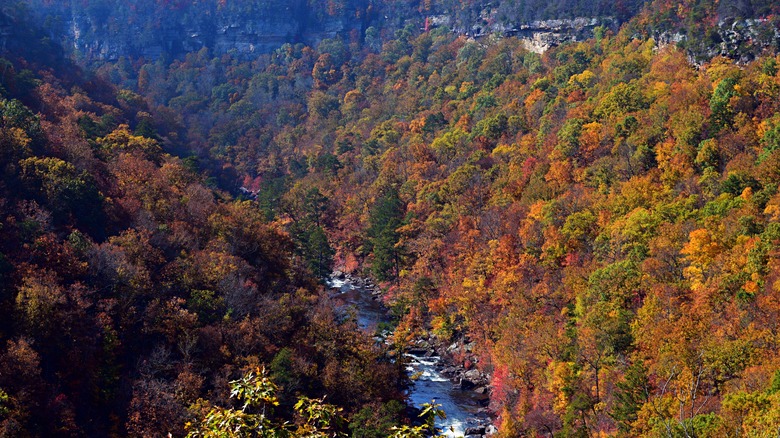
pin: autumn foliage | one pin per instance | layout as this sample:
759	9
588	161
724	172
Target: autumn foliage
601	221
133	290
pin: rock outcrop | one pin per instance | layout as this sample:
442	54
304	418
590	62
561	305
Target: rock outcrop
739	39
109	29
541	35
6	29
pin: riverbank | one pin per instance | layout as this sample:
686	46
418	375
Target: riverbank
444	373
471	385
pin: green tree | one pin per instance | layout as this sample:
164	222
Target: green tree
256	418
383	236
66	190
373	422
309	209
430	412
631	394
722	113
257	393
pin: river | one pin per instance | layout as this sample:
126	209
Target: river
463	408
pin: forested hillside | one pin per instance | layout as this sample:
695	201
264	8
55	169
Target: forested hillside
600	220
132	290
599	223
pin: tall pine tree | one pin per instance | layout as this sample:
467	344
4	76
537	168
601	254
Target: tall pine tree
386	217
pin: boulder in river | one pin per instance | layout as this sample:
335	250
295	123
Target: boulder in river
471	379
473	375
466	384
450	371
479	431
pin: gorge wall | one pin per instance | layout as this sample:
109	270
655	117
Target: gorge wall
109	29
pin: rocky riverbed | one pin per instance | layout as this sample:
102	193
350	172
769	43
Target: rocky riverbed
463	393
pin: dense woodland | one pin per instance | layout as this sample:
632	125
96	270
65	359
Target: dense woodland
132	290
602	221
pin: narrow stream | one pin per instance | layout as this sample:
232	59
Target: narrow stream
463	408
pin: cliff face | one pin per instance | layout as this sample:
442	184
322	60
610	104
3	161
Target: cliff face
739	39
108	29
6	29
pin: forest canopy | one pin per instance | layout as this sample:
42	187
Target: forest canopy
598	223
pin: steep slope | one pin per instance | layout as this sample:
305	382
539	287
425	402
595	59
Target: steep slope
109	29
131	291
596	223
735	29
594	227
150	29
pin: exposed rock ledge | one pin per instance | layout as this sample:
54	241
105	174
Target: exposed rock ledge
537	36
